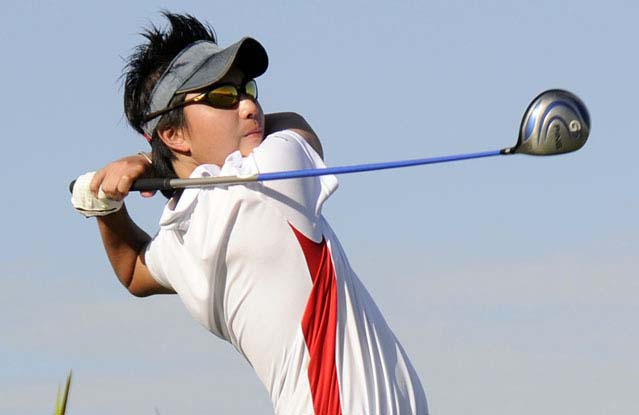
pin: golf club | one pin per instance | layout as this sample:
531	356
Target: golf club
555	122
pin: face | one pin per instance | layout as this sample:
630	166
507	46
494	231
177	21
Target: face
211	134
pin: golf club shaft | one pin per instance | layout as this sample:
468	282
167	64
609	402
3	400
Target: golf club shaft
555	109
170	184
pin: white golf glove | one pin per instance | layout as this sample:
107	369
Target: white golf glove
87	204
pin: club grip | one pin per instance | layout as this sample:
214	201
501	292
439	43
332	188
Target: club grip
142	185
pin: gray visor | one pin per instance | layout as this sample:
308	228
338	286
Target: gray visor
200	65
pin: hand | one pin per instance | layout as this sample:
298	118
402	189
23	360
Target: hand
116	178
87	204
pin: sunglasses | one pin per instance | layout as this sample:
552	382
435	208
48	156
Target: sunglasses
222	96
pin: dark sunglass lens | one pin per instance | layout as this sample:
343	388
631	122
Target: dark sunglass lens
251	89
224	96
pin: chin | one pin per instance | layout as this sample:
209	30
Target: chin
249	144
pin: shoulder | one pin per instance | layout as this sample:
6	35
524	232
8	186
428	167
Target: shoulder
281	121
286	150
311	139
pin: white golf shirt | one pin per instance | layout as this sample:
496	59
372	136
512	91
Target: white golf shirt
258	265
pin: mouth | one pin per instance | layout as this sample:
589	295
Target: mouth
254	132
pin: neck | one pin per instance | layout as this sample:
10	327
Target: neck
184	166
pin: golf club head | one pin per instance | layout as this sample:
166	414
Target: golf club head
555	122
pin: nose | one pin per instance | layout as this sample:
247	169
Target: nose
249	108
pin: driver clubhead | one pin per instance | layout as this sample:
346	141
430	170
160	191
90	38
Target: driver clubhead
555	122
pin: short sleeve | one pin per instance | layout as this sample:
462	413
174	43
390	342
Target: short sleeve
153	257
188	254
286	151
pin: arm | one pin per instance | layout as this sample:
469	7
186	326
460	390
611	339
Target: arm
124	241
279	121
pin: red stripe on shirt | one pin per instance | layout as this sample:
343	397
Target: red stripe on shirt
319	325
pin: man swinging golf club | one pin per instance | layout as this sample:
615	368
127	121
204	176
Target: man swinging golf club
256	263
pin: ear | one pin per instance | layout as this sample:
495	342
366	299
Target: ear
175	139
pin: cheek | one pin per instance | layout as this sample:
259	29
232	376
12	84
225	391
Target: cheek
207	125
260	114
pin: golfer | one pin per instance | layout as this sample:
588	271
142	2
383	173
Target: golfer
256	264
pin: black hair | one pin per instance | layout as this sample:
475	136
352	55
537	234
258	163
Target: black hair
144	68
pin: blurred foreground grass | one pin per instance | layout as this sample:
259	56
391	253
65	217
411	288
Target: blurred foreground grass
61	400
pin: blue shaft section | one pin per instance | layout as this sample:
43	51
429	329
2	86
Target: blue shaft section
372	166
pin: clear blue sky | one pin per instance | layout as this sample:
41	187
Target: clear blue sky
511	282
